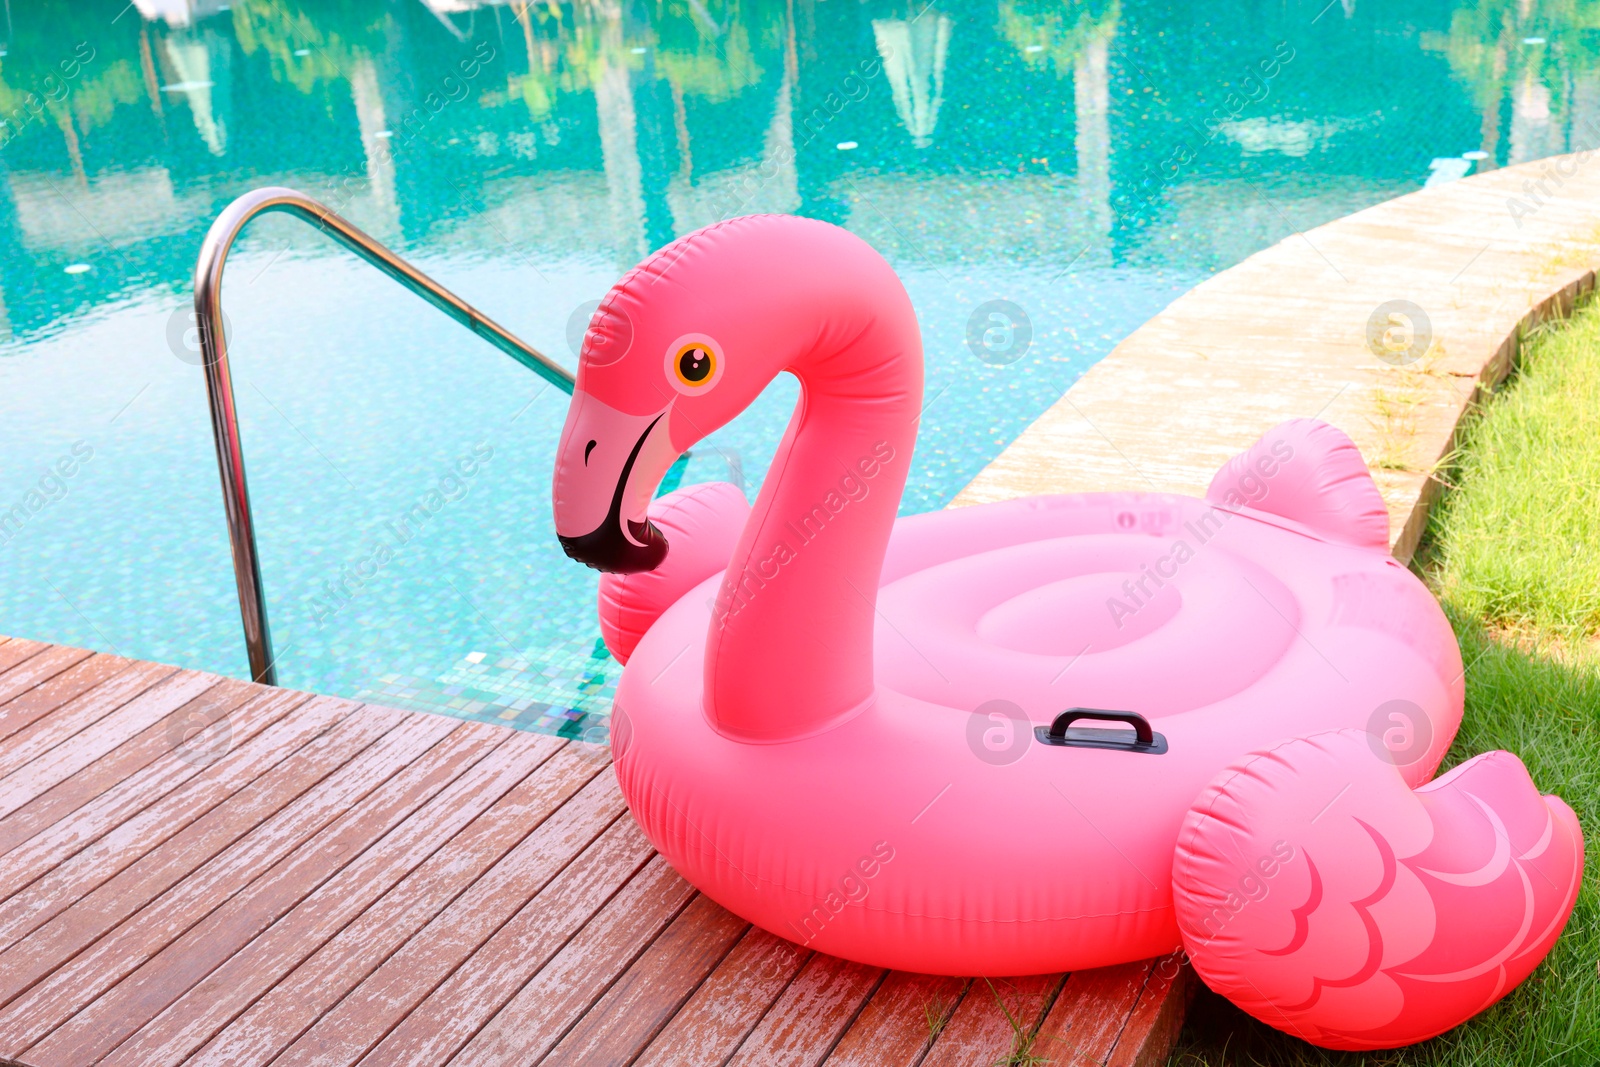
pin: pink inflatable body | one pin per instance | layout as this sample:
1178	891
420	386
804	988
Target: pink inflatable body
845	727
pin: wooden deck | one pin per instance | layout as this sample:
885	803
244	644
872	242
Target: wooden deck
195	869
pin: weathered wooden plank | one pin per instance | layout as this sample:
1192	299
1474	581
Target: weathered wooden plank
17	650
639	1003
154	923
264	825
41	684
204	1007
539	886
120	784
61	745
163	736
557	994
296	1002
806	1022
729	1004
168	968
44	663
996	1018
1084	1023
460	1007
898	1023
61	697
165	840
1152	1028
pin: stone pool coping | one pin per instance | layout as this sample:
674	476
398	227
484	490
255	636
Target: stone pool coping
1284	335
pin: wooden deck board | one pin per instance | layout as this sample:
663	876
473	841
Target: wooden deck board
298	1001
59	745
30	694
184	874
21	675
14	651
720	1014
276	948
646	997
990	1017
143	926
189	959
805	1023
197	870
561	992
502	967
1078	1020
122	827
898	1024
84	848
149	853
123	781
550	866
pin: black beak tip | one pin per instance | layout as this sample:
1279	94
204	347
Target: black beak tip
607	550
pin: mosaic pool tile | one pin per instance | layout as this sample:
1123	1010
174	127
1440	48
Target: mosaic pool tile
563	689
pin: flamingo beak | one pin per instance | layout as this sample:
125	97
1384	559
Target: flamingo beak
607	469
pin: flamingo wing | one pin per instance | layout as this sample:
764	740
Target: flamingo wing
1312	473
1322	895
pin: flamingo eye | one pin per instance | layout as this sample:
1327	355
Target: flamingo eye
693	364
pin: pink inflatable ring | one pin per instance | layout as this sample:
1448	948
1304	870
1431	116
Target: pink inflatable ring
850	729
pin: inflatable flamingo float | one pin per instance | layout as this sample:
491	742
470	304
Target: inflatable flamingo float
860	732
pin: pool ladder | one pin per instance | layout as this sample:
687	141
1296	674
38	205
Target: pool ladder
219	381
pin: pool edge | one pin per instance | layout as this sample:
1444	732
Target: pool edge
1283	335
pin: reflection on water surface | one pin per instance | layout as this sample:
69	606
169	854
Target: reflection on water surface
1080	162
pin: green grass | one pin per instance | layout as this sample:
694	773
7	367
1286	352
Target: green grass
1021	1053
1518	546
1513	551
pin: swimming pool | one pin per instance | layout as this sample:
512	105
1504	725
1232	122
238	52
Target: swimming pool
1081	162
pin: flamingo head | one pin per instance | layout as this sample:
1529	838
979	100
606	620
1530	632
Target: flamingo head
679	347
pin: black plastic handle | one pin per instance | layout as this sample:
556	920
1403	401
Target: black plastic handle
1143	738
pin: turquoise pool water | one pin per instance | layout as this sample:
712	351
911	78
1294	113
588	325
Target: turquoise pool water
1084	162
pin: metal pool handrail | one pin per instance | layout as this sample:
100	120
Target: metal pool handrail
219	381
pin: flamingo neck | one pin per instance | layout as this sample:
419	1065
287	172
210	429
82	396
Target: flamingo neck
790	646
